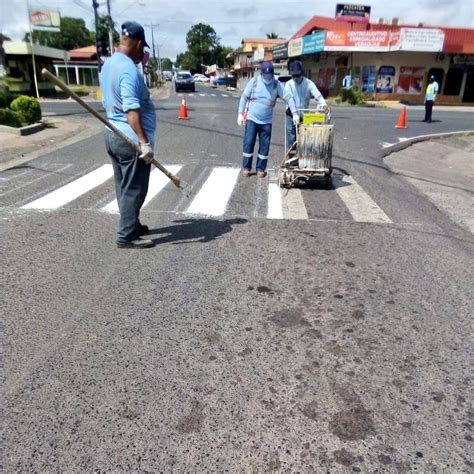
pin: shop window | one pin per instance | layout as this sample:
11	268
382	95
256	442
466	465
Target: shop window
385	80
368	78
469	90
454	81
410	80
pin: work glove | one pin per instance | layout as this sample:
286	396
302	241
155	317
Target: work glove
240	120
296	119
146	153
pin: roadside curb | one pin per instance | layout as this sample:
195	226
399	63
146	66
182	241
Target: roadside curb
421	138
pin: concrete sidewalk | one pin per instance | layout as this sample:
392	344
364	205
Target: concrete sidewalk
442	169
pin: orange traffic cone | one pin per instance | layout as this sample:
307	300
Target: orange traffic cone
402	120
183	111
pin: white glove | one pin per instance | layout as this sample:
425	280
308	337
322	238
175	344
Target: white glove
296	119
146	153
240	120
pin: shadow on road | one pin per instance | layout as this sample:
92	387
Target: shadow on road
195	230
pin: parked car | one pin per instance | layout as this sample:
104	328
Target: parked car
218	81
184	82
229	81
168	75
200	78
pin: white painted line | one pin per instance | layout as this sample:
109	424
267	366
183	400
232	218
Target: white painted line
386	144
293	205
275	210
213	95
73	190
358	202
225	95
202	95
215	193
157	182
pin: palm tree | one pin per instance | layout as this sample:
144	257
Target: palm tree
272	35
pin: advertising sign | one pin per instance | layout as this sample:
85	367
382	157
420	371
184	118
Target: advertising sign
385	80
357	41
368	78
295	47
411	80
45	20
420	39
280	51
352	13
314	43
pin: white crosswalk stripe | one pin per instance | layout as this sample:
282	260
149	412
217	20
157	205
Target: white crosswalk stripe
72	191
157	183
213	198
215	193
361	206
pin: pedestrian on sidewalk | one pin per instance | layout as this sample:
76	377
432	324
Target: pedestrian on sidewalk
430	98
256	113
127	103
299	90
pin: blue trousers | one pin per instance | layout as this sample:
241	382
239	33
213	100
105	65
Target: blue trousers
131	184
264	133
290	133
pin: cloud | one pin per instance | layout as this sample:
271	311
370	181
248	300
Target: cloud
246	18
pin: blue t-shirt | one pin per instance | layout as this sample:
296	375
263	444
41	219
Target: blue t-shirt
260	99
301	93
124	89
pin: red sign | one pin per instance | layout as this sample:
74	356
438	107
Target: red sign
357	41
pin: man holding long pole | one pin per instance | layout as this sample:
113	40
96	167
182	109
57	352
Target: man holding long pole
128	106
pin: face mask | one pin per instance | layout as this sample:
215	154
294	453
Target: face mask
298	80
267	82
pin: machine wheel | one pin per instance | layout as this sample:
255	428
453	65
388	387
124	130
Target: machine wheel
328	183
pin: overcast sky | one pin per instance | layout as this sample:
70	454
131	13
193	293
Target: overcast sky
232	20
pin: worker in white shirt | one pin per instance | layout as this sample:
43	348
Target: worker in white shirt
300	89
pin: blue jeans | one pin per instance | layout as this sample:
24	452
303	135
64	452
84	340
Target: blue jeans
131	184
264	133
290	133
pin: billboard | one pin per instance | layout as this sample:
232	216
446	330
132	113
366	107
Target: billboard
430	40
385	80
357	41
45	20
314	43
280	51
352	13
295	47
410	80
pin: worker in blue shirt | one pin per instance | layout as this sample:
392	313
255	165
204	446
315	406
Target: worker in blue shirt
299	91
128	106
430	97
256	112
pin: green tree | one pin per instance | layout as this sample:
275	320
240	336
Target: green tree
73	34
272	35
221	56
166	64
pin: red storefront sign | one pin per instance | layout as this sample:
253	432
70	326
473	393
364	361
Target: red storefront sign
357	41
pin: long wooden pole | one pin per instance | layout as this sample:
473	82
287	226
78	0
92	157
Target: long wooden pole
51	77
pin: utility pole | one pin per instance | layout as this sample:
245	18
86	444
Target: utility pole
95	6
111	29
152	26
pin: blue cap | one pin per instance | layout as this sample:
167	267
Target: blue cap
266	70
132	29
296	68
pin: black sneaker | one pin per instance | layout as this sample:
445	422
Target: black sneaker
136	244
142	230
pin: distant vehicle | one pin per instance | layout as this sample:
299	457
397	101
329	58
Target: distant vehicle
168	75
184	82
229	81
200	78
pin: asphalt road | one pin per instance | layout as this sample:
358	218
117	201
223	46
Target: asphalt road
333	340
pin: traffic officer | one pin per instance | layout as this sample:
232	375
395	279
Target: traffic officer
127	103
299	90
256	112
430	97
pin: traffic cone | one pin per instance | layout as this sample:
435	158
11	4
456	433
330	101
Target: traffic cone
183	111
402	120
